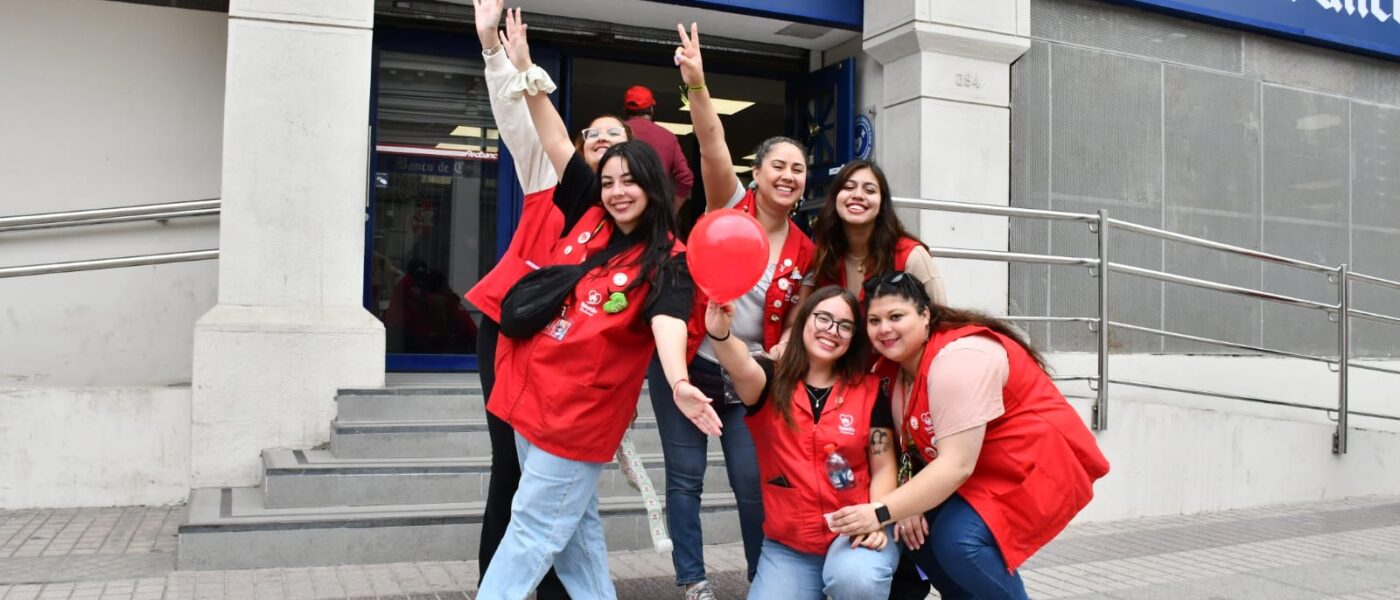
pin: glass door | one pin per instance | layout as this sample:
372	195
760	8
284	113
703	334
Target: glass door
434	200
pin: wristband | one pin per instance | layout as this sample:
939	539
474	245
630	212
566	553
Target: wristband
492	51
677	386
718	339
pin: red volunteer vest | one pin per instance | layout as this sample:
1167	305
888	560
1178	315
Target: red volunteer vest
793	515
902	248
540	226
573	397
793	262
1038	461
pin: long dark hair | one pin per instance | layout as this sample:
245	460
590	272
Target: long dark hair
656	227
901	285
830	231
793	365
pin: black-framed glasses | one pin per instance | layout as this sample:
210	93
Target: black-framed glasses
825	321
592	133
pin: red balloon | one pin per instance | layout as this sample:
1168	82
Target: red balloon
727	253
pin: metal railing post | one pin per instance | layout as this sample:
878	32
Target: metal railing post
1101	402
1339	439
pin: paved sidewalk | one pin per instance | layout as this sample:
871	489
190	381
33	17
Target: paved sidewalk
1337	550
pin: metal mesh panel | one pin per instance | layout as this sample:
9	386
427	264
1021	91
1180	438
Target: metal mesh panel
1105	153
1301	65
1305	209
1211	127
1375	147
1133	31
1030	184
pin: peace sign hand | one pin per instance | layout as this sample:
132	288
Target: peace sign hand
688	56
517	47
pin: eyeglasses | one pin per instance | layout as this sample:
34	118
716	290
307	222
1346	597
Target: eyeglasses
592	133
891	279
825	321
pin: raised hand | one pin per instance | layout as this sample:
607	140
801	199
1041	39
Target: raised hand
488	16
719	318
517	47
688	56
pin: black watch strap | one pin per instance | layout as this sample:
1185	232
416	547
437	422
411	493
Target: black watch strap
882	513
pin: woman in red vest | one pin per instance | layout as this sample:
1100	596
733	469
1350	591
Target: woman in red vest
823	431
761	319
993	461
859	236
540	225
570	390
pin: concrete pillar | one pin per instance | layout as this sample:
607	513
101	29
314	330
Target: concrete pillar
947	79
289	328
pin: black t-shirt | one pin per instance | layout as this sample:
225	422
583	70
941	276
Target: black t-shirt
578	190
881	416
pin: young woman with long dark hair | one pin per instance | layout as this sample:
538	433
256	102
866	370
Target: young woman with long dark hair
570	390
859	236
814	406
761	319
993	461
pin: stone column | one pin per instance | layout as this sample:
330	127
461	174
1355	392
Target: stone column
947	84
289	328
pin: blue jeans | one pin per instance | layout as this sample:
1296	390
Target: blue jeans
961	557
685	450
553	522
843	572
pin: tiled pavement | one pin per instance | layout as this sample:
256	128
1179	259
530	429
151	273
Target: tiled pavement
1336	550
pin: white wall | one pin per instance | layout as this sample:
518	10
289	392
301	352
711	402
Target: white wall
1173	453
107	104
94	447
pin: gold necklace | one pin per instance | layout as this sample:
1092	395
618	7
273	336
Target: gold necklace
859	260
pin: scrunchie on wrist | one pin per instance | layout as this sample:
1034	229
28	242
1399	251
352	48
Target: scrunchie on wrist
530	81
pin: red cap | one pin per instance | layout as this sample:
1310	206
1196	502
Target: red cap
638	98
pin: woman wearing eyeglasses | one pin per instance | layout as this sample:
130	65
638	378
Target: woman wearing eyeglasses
993	461
571	388
761	318
823	432
540	155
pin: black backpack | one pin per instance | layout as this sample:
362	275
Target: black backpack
539	296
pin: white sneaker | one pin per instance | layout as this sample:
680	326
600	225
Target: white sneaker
699	591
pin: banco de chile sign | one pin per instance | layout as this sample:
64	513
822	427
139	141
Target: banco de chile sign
1369	26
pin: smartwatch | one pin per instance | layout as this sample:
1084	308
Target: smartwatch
882	513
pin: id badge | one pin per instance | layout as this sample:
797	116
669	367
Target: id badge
559	328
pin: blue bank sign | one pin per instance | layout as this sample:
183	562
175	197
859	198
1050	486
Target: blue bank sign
1371	26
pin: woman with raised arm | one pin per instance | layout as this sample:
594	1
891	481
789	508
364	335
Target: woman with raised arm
993	461
761	317
823	431
570	389
540	223
858	236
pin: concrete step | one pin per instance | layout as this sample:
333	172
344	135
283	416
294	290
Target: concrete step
426	404
440	438
229	528
311	478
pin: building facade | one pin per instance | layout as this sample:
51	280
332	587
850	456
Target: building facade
363	188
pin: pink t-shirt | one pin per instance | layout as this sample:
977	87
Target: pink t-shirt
965	381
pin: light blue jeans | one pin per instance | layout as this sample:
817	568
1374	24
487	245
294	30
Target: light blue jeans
843	573
553	522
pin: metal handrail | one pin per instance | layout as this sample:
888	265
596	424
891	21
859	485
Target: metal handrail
1373	280
1099	224
108	263
96	216
1214	245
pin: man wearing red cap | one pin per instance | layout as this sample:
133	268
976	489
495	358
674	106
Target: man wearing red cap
640	105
